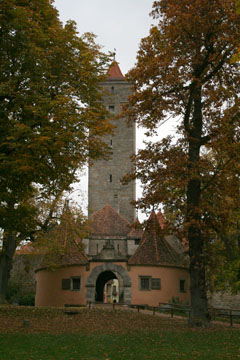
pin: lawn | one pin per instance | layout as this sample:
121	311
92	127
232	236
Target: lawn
106	334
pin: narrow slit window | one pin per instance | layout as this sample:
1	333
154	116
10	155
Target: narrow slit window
110	178
111	142
112	89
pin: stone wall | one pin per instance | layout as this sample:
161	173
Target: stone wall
225	300
105	185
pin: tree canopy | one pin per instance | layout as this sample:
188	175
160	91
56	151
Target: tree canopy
51	114
186	69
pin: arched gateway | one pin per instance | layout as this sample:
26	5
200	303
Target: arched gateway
108	267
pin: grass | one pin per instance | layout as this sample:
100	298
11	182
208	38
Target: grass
109	335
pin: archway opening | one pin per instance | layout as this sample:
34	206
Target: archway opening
107	287
118	271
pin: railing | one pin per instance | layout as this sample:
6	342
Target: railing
167	308
215	313
218	313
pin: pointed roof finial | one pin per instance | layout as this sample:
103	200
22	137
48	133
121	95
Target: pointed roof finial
114	54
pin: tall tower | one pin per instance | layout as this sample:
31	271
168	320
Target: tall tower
104	184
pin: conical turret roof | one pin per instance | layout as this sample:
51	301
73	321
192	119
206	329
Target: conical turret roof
114	72
154	248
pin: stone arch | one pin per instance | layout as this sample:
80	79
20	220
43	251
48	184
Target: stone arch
91	281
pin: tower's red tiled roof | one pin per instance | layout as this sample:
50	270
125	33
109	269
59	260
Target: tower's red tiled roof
108	222
136	231
114	72
154	248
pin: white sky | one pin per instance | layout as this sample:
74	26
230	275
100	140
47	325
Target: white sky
120	25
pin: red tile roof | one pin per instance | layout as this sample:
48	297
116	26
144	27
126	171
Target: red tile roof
74	256
154	248
108	222
136	231
114	72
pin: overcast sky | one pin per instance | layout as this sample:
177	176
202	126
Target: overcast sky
118	24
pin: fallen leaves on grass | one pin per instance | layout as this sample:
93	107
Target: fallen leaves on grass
56	321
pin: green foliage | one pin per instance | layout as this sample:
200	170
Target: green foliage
177	301
223	273
16	294
21	285
238	6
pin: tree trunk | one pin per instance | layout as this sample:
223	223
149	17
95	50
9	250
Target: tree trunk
6	256
199	307
199	314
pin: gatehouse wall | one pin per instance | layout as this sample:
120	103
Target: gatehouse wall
50	292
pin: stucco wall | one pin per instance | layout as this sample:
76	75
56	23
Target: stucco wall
49	284
170	278
49	287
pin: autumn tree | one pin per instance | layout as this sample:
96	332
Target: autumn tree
186	70
62	238
50	101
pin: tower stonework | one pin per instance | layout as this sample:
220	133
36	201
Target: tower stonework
104	184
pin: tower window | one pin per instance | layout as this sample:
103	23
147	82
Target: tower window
111	142
111	108
110	177
112	88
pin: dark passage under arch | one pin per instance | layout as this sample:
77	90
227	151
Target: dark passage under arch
102	279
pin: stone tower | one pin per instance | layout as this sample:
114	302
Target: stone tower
104	184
